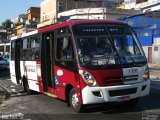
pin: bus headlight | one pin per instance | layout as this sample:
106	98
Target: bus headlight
88	78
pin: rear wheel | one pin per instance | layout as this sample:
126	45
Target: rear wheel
74	101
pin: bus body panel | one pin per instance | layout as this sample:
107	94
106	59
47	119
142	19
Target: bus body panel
134	74
89	97
29	70
107	77
64	77
12	71
129	78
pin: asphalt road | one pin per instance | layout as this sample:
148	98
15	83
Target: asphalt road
39	106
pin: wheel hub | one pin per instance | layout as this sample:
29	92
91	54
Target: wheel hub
75	100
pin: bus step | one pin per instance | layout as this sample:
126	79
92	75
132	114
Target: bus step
51	95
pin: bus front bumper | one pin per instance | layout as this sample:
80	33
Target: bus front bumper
94	95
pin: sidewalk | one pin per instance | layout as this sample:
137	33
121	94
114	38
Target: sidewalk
2	95
154	71
154	66
155	75
7	89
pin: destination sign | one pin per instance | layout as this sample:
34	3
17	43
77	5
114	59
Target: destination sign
100	29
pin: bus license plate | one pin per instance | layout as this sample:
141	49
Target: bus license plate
123	99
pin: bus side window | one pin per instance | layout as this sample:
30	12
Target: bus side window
64	49
35	44
12	50
25	49
64	53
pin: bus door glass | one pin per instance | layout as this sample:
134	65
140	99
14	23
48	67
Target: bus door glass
47	60
17	60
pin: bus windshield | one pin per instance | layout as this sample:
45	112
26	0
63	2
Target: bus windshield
107	45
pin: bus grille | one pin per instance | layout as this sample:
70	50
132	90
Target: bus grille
130	78
113	81
113	93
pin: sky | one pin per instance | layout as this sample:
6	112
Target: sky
10	9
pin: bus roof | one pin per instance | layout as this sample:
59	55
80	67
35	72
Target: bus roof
75	22
25	35
64	24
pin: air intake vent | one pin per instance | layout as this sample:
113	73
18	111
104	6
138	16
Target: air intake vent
113	93
113	81
130	78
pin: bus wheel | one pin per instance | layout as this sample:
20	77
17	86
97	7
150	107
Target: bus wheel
74	101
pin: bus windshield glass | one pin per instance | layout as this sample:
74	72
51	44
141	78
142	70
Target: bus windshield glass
107	44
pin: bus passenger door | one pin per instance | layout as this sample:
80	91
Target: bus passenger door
47	61
65	64
17	61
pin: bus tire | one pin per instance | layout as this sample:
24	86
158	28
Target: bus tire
74	101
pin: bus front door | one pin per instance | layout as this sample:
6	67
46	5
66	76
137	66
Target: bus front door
17	61
47	62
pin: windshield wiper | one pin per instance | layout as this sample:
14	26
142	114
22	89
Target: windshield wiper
131	59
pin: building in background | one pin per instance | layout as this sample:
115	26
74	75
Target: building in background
20	19
147	26
30	22
96	13
144	5
51	8
61	10
4	42
33	14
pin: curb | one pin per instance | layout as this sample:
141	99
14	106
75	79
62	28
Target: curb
3	94
154	77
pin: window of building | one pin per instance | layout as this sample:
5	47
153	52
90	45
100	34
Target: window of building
143	20
155	48
43	18
60	6
131	22
146	34
46	17
140	1
157	32
132	1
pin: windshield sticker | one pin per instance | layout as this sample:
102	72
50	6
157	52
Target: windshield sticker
111	61
79	51
94	62
102	62
122	60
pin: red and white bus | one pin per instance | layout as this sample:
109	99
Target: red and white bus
82	62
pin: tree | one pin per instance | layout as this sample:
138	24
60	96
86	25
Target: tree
6	25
